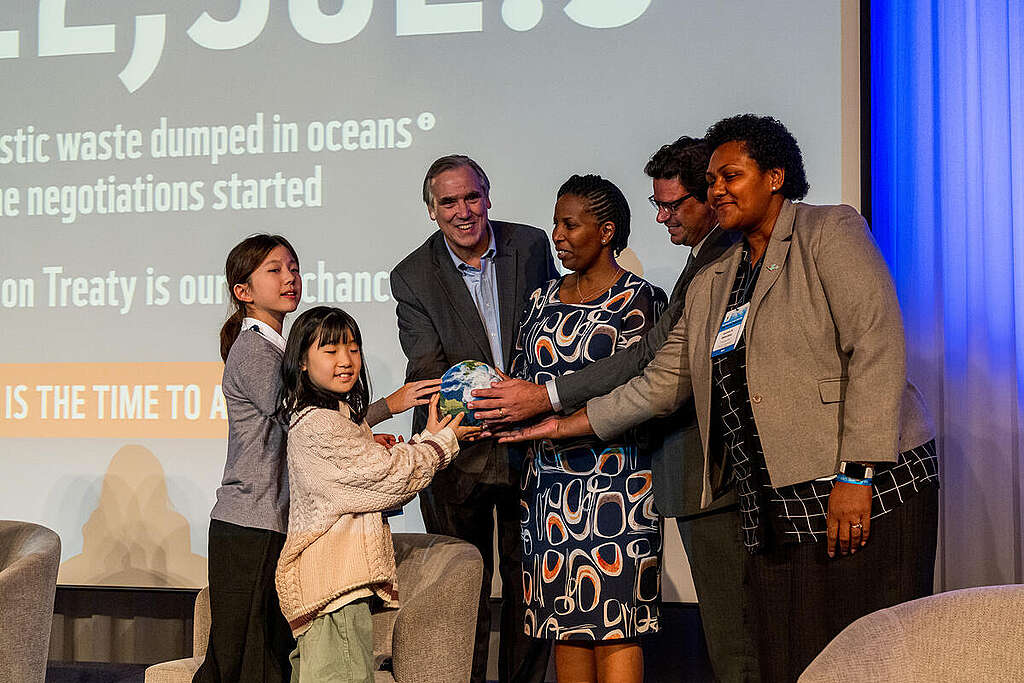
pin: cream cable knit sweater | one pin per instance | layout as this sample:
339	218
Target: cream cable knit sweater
340	480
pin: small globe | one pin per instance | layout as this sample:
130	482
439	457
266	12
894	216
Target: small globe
458	382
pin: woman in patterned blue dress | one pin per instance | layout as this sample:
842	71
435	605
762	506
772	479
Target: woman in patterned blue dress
591	537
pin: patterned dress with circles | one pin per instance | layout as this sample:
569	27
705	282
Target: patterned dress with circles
591	536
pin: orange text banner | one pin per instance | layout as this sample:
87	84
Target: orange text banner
112	400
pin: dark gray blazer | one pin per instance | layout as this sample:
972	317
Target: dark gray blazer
676	457
439	326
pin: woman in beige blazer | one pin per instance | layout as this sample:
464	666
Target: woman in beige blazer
791	344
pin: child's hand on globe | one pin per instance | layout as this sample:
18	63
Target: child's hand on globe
458	383
434	424
412	394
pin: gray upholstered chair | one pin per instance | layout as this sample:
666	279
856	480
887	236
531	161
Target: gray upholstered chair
974	634
182	670
429	639
29	557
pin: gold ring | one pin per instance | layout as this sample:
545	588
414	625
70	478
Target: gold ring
858	525
501	411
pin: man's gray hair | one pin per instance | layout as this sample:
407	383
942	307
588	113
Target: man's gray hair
447	163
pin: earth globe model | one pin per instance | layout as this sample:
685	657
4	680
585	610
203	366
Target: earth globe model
457	383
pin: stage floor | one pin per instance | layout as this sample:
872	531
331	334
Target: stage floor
676	655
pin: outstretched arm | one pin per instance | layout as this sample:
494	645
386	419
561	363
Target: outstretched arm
577	424
657	392
420	341
360	474
516	400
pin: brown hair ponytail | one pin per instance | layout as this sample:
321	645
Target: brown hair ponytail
241	263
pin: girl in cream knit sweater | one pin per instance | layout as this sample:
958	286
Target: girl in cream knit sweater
338	559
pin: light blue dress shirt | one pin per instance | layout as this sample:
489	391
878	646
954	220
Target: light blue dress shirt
482	284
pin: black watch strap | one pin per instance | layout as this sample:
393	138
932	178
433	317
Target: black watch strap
856	470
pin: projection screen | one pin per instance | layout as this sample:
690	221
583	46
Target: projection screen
139	141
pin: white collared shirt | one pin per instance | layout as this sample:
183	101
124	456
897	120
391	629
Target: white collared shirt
482	284
268	332
695	249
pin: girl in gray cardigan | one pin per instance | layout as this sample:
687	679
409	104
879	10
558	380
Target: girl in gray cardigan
249	638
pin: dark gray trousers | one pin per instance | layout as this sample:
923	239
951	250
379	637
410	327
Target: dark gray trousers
718	564
521	659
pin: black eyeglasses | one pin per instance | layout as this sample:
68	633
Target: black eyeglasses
670	207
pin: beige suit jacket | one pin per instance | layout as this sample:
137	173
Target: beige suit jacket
826	367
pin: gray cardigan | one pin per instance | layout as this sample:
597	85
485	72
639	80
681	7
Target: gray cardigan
254	490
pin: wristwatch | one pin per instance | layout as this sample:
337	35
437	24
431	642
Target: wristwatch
856	470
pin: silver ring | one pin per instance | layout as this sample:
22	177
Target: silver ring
858	525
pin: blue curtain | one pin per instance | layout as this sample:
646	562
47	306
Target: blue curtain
947	164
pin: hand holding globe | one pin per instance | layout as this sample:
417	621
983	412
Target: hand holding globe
458	383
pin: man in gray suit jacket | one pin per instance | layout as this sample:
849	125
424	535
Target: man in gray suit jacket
711	537
460	297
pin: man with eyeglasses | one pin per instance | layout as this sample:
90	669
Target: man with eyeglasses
711	536
460	296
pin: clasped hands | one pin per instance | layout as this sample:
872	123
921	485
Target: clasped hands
499	407
511	402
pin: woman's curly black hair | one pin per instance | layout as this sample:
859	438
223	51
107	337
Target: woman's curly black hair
768	143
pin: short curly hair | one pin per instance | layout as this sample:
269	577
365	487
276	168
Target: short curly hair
769	143
685	160
605	200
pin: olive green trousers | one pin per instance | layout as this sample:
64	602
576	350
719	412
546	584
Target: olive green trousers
337	647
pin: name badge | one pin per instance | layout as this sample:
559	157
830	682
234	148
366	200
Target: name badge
731	330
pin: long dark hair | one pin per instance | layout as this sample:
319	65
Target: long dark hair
241	263
322	325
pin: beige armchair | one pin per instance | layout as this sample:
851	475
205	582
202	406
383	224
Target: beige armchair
429	639
974	634
29	557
